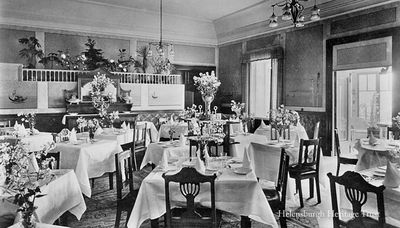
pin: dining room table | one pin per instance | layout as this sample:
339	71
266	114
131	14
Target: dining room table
155	152
32	142
61	194
296	132
370	156
235	192
89	159
178	128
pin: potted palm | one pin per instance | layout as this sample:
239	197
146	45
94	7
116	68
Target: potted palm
31	51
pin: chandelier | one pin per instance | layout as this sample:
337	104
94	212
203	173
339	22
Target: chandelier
161	47
292	10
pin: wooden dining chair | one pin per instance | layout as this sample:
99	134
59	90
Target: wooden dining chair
56	156
395	132
126	194
138	143
192	215
316	130
307	167
277	196
340	158
356	189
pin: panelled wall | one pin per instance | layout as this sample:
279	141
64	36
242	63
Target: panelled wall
307	62
53	41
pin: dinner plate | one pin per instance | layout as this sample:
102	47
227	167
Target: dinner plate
126	112
382	168
242	171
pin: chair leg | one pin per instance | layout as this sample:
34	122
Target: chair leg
337	168
92	182
318	190
298	183
282	220
118	218
111	180
311	183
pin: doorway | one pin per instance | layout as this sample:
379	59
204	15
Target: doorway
363	99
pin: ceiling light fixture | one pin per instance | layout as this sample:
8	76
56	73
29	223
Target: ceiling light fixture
162	48
292	10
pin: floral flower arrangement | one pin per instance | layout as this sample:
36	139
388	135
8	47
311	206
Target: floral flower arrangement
237	108
109	119
100	82
91	124
207	84
189	112
282	117
82	123
396	121
29	118
16	161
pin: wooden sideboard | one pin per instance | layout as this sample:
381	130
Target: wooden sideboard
87	107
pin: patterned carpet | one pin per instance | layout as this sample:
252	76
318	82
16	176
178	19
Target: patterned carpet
101	211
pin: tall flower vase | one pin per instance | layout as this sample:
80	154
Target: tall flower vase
91	134
207	101
31	128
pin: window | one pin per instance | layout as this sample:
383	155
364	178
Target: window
263	87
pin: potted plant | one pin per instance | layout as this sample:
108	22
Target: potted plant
31	51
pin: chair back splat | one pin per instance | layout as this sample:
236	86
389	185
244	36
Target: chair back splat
189	185
356	189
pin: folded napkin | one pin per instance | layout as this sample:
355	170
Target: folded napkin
72	136
246	160
16	126
123	125
392	176
372	139
182	140
164	162
98	131
199	165
33	165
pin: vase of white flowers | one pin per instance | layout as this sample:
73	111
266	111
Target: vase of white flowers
282	118
208	86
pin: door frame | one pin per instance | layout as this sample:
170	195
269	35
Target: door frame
330	78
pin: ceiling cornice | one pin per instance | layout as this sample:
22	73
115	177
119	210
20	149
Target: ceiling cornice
329	10
153	13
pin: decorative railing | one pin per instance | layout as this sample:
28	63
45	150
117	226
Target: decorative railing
46	75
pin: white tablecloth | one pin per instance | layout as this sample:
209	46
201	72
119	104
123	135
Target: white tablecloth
238	194
35	142
373	156
153	130
295	131
37	225
61	195
88	160
155	152
178	127
391	199
244	141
